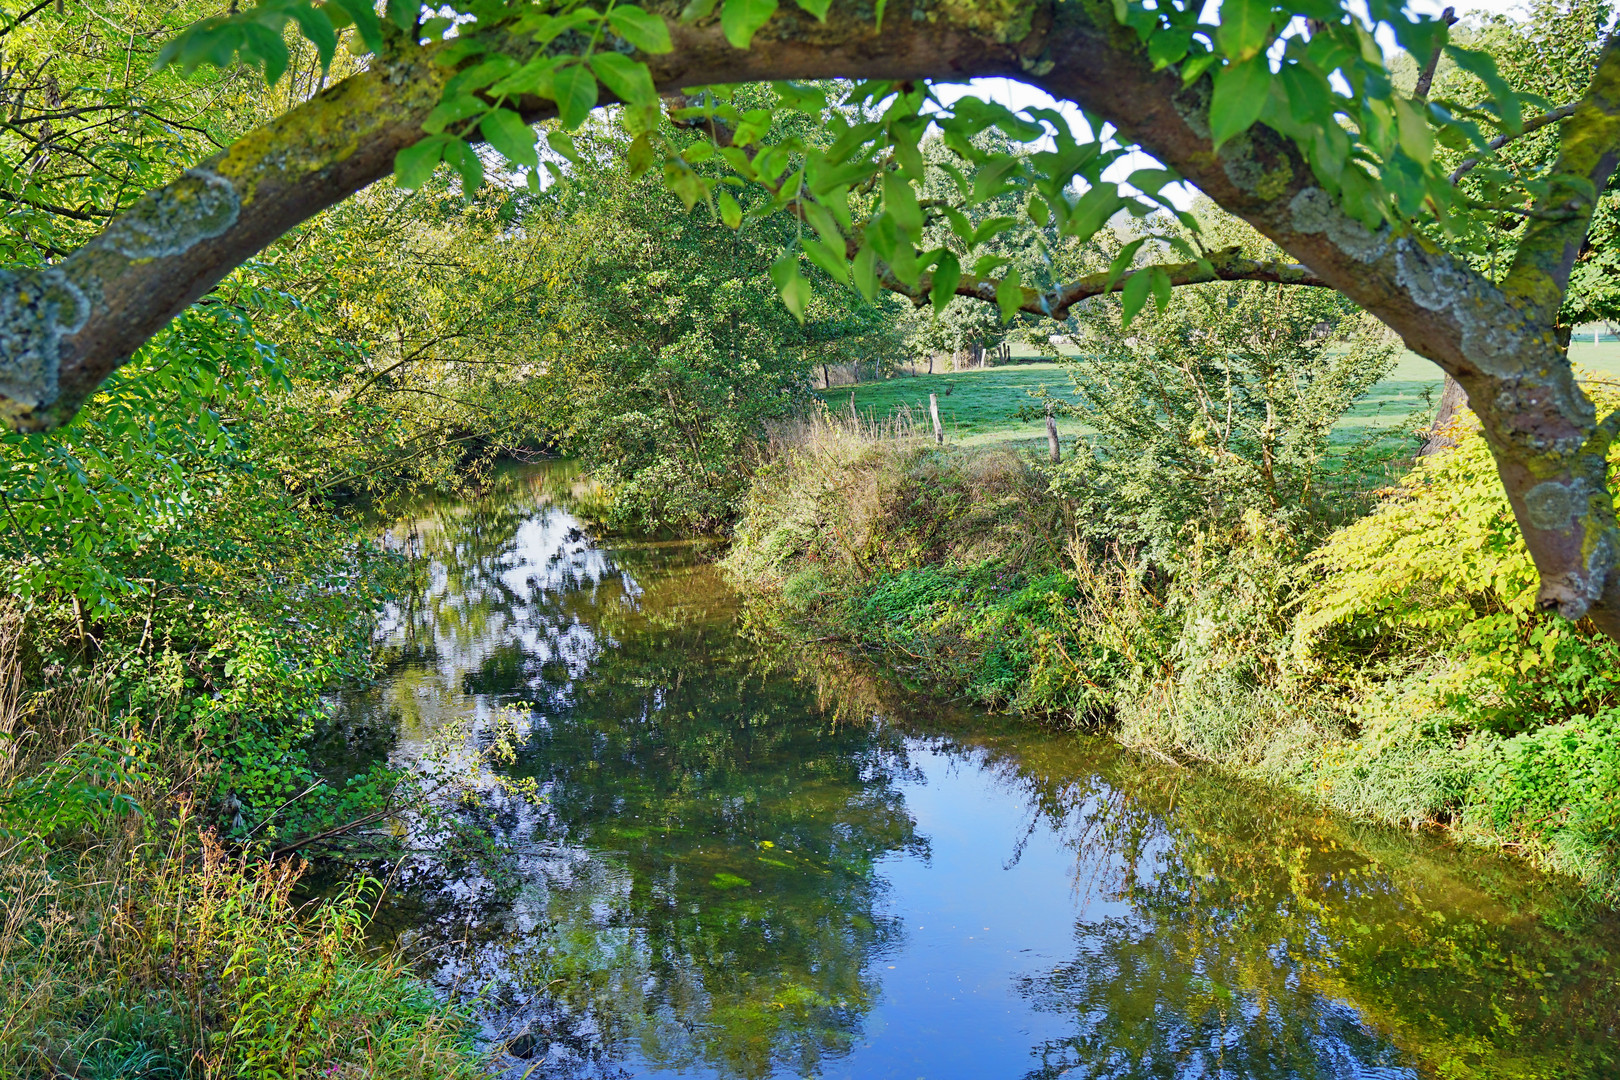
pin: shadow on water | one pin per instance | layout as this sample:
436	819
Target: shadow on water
752	860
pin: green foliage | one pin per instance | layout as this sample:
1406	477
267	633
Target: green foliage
1222	409
1394	667
1439	566
1548	58
668	349
1370	144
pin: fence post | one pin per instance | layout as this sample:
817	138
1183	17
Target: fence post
1052	444
933	411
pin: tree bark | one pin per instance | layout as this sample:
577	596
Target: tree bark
1453	400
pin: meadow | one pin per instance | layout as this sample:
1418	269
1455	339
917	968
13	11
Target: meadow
991	406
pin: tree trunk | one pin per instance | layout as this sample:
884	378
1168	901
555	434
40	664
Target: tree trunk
1453	400
1053	448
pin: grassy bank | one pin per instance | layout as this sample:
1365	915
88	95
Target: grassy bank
1391	665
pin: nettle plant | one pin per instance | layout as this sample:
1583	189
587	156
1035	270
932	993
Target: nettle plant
1286	115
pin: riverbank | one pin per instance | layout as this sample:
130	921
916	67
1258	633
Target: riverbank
1392	668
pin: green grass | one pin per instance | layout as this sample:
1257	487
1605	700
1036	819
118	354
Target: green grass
980	407
975	407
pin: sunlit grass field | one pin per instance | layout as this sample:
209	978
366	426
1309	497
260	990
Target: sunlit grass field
981	407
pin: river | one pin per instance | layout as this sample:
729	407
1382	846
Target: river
704	853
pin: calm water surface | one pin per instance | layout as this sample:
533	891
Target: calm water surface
737	860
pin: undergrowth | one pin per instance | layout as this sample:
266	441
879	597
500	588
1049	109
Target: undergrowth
1394	668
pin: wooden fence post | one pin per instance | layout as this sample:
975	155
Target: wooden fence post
1052	445
933	411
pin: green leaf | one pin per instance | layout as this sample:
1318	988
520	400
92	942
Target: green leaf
1160	284
403	13
266	45
1039	212
818	8
574	90
1135	293
1240	96
643	29
825	224
1310	98
316	25
827	257
901	203
414	164
532	78
685	183
1195	66
511	137
697	9
1168	46
480	75
453	111
1245	28
741	19
730	212
1483	67
1416	137
628	79
364	15
791	284
468	164
947	275
990	228
1093	209
864	271
1009	295
1122	261
563	143
640	156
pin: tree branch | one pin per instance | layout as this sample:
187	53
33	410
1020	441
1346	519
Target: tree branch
1425	77
60	211
25	16
69	325
1533	124
1228	264
1589	151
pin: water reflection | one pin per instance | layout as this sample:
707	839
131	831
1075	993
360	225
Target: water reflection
750	861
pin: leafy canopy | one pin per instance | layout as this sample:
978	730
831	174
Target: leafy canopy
1329	88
